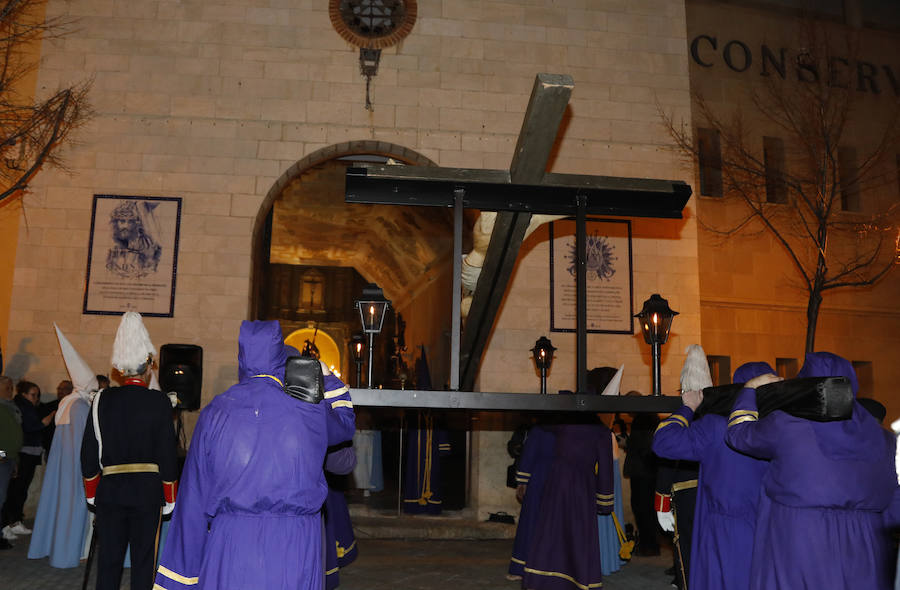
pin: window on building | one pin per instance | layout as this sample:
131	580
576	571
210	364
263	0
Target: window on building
773	158
710	159
786	368
848	169
866	378
719	369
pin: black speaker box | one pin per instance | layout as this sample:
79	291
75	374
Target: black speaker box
181	371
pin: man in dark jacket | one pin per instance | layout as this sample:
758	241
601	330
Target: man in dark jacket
10	441
640	468
129	462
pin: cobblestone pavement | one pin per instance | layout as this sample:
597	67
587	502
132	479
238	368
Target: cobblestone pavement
383	564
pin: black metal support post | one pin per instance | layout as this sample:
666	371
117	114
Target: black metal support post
543	380
655	352
358	372
581	295
371	342
455	314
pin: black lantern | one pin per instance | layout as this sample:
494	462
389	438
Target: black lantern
543	356
357	350
656	320
372	308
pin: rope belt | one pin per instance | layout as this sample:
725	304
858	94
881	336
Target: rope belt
131	468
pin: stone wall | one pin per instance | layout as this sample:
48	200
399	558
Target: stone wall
753	300
214	102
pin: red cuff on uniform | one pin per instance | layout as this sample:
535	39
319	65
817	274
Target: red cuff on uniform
662	503
170	490
90	486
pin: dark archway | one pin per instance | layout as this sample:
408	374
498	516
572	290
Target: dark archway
262	224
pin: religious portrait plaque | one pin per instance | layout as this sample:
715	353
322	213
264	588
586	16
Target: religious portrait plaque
132	255
609	284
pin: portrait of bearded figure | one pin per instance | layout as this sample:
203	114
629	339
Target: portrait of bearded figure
135	252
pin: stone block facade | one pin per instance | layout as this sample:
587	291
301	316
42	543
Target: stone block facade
216	101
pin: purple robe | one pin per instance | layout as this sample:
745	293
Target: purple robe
727	493
565	549
537	456
820	513
340	542
425	445
247	514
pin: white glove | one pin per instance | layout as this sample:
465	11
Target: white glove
168	508
90	501
666	521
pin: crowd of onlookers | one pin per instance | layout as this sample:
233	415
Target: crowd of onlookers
26	435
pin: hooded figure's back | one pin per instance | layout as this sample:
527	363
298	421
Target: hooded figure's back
248	512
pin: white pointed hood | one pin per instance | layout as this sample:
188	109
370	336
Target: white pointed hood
612	388
84	380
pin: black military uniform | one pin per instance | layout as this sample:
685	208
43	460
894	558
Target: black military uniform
676	485
137	476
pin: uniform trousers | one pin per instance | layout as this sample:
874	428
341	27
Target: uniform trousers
117	527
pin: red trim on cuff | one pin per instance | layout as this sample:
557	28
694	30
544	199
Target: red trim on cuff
90	486
662	503
170	490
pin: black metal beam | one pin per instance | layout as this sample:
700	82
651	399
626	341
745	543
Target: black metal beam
492	190
469	400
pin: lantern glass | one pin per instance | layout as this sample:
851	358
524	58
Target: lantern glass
543	352
656	320
372	308
357	347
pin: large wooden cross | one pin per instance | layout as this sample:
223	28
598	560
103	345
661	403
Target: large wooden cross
525	189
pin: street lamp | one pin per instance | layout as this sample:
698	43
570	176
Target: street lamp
357	347
372	308
543	356
656	320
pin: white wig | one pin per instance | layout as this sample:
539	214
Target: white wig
132	351
695	372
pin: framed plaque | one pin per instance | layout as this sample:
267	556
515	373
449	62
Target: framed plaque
609	282
132	255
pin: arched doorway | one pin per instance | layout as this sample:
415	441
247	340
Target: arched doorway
313	253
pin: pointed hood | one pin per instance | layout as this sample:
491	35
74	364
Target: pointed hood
748	371
599	378
132	349
261	349
84	380
827	364
423	375
695	374
612	388
859	438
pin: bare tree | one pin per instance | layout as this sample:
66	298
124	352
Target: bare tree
821	201
32	130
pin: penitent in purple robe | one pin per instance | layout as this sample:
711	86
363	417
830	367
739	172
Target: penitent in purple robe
820	513
564	552
248	514
727	493
340	541
534	464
